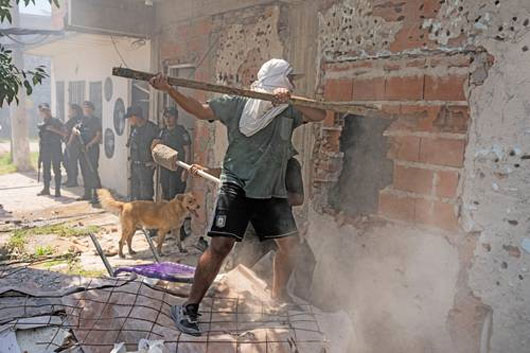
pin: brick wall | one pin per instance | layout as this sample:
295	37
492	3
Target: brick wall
424	93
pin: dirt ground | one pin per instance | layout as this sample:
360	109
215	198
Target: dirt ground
46	228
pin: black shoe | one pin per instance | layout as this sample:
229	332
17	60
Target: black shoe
186	318
57	193
85	197
44	192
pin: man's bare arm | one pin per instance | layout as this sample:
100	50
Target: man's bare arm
191	105
310	114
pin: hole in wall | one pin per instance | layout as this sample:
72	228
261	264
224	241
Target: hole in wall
366	169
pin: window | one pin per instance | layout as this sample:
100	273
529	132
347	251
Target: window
140	96
186	71
76	92
59	100
96	97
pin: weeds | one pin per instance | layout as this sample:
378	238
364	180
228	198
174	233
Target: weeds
61	230
18	240
6	164
41	251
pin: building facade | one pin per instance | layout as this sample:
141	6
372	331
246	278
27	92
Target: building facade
417	217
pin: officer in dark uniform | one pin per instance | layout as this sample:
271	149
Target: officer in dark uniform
89	134
72	149
176	137
143	132
51	133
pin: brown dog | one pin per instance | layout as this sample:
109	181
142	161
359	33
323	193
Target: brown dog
164	216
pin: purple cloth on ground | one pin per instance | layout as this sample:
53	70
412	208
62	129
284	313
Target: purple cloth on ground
167	271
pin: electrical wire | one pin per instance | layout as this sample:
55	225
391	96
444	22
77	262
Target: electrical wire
118	51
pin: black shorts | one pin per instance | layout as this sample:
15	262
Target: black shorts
271	218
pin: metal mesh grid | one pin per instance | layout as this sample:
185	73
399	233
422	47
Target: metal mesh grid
109	311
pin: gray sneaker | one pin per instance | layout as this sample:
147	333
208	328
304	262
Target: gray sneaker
186	318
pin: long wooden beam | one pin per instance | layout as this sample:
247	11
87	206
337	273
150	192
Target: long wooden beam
352	108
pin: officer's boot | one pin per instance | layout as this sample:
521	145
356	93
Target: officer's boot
45	191
86	196
58	186
95	199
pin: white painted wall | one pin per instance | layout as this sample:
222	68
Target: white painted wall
90	58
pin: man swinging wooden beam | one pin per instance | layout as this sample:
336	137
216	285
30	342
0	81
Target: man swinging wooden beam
253	177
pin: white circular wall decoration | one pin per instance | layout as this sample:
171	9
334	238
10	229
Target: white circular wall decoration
107	89
109	143
119	116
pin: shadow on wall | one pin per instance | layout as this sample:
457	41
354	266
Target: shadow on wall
366	170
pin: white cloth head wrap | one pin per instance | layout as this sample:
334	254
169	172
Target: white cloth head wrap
258	113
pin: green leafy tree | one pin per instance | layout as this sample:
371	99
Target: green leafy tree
12	78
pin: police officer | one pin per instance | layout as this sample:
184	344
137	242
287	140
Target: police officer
51	133
72	149
176	137
88	133
143	132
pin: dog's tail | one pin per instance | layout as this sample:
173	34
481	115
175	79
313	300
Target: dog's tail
108	202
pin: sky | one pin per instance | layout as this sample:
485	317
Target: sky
41	7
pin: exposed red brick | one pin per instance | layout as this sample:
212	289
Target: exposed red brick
446	183
396	207
392	66
203	26
428	8
446	88
338	90
459	41
391	109
451	119
389	10
198	44
369	89
332	140
330	118
410	36
416	63
348	66
170	50
454	119
405	148
436	213
413	179
404	88
442	151
458	60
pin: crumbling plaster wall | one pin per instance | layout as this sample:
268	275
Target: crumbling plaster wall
496	188
245	40
482	306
